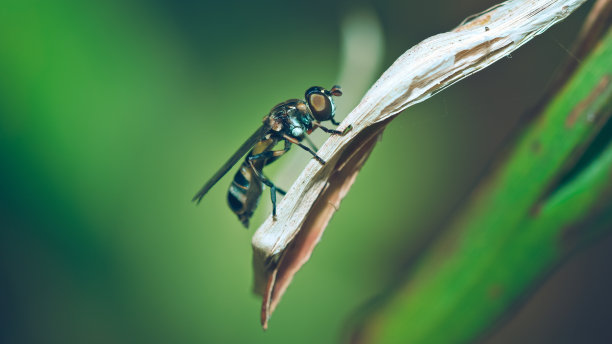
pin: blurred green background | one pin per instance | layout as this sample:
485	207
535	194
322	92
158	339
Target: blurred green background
114	113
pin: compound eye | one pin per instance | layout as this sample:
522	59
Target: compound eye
318	102
321	106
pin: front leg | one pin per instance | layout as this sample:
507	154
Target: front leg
295	141
310	143
333	131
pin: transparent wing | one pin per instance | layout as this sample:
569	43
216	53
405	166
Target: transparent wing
246	146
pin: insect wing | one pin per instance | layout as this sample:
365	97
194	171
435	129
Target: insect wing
246	146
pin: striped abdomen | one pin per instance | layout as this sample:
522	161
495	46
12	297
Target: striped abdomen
245	190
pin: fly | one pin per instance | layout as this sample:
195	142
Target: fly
291	122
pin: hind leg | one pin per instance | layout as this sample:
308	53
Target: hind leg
273	188
259	174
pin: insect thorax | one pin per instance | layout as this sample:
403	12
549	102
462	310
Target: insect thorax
292	118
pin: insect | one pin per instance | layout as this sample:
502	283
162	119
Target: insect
290	121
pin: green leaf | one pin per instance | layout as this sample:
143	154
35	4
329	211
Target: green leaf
548	197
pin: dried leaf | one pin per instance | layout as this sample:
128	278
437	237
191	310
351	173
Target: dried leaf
281	247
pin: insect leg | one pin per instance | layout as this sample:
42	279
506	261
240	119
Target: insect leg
259	174
279	190
271	154
310	143
333	131
273	198
267	182
295	141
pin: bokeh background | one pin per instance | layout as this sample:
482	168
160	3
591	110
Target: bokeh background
114	113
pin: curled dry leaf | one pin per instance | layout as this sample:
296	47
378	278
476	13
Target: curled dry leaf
281	247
